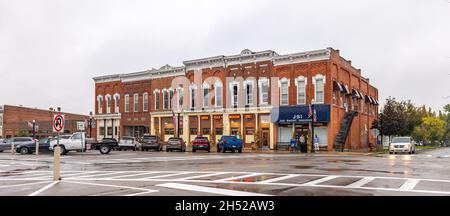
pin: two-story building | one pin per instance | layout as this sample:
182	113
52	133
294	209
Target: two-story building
253	95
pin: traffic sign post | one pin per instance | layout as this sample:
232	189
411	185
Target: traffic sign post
58	126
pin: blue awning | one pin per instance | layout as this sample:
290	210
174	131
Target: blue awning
299	114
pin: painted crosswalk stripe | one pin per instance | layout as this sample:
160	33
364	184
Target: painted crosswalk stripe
318	181
360	182
115	186
202	176
167	175
43	189
238	177
279	178
409	184
96	175
209	190
135	174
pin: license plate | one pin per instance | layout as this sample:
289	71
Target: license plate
234	146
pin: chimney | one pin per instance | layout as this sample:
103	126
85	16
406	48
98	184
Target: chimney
59	109
51	108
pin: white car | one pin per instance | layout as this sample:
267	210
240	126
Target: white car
128	142
402	144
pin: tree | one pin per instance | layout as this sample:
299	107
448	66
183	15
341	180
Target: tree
446	119
392	118
23	133
432	129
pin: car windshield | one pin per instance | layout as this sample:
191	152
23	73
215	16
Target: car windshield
151	138
201	139
174	139
401	140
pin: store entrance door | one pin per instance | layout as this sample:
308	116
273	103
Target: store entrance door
265	138
234	131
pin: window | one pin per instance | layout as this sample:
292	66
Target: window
170	98
264	86
218	93
165	100
192	98
180	98
100	104
127	103
156	92
145	102
205	97
193	131
110	131
219	131
102	131
319	90
234	94
76	136
334	98
284	99
206	131
346	103
355	104
341	100
116	103
169	131
108	104
301	91
249	93
136	102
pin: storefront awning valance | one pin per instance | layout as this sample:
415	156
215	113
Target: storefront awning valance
337	86
299	114
346	90
355	94
368	99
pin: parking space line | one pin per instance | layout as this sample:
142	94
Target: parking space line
43	189
209	190
80	173
361	182
115	186
279	178
95	175
135	174
201	176
318	181
24	184
409	184
238	177
167	175
140	193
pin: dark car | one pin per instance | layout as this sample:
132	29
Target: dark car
231	143
26	145
176	143
201	143
151	142
5	144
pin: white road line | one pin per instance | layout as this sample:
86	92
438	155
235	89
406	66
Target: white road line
135	174
43	189
201	176
409	184
360	182
25	184
95	175
167	175
115	186
79	174
140	193
238	177
279	178
318	181
209	190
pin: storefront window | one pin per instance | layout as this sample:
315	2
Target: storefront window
219	131
102	131
169	131
110	131
249	131
206	131
193	131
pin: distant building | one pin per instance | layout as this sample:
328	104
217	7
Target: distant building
15	120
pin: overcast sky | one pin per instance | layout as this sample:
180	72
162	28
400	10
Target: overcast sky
50	50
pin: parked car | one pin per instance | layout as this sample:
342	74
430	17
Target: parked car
26	145
78	142
229	143
151	142
5	145
175	143
201	143
402	144
128	142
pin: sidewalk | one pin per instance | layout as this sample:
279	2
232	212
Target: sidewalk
328	153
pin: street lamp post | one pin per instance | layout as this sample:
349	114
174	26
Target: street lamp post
90	125
312	124
34	137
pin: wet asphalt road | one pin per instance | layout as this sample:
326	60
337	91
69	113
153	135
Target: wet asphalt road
129	173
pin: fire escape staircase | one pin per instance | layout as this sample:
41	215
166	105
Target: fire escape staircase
341	137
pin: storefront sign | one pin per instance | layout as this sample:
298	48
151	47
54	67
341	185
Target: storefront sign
248	116
205	117
218	117
235	116
299	114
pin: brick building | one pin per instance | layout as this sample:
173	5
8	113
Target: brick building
250	93
14	119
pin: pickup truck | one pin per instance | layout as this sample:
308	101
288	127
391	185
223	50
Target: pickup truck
77	142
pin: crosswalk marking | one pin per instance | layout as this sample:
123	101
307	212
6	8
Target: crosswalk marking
238	177
409	184
167	175
209	190
279	178
361	182
318	181
202	176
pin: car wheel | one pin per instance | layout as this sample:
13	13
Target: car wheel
233	150
24	150
240	150
223	149
193	150
104	149
1	150
390	152
167	150
63	150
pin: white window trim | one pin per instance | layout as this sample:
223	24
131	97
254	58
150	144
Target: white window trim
288	82
179	96
127	96
260	82
217	93
156	92
164	94
301	78
316	77
232	84
108	108
135	98
252	83
116	102
145	95
205	85
100	104
192	88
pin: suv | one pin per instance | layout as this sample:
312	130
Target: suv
175	143
402	144
201	143
229	143
24	145
151	142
